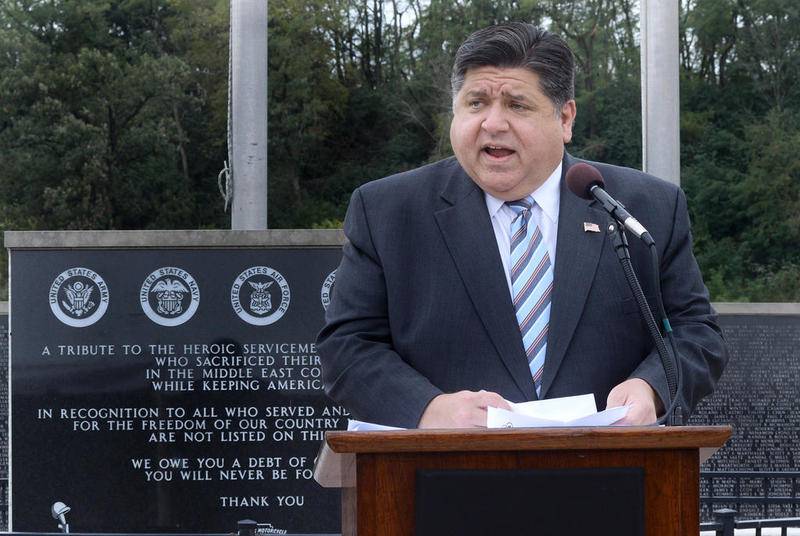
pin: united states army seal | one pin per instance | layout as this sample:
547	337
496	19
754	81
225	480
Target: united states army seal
78	297
260	295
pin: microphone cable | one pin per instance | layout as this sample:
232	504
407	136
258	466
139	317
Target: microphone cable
673	414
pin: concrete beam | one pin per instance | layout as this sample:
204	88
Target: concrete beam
286	238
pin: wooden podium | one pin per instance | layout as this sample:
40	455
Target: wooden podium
379	471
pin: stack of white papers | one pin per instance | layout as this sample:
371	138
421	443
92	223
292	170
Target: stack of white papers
361	426
567	411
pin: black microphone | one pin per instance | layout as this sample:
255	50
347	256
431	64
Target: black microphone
586	182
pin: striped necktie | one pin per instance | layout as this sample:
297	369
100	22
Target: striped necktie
531	285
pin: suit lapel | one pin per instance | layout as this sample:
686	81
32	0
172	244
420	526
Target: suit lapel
577	256
467	231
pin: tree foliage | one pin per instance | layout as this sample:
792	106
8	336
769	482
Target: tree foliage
113	113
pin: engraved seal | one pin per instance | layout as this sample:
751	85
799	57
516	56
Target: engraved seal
327	290
260	295
169	296
78	297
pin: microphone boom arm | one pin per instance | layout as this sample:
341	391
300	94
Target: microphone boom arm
673	414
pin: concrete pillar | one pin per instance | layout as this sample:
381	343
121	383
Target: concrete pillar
660	89
249	113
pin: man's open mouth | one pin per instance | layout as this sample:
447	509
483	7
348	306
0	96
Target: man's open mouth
497	151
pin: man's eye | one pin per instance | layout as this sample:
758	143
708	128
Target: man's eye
516	106
475	104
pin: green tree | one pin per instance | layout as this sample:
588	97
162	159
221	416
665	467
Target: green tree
113	113
95	100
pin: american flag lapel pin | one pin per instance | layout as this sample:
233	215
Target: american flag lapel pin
589	227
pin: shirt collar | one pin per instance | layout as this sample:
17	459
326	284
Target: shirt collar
547	196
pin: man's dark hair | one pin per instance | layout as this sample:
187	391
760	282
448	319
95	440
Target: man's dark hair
518	44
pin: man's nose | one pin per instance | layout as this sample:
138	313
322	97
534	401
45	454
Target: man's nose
495	119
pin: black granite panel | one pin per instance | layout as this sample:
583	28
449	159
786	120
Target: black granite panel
170	390
4	350
758	395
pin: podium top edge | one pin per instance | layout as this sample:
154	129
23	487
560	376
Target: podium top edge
528	439
289	238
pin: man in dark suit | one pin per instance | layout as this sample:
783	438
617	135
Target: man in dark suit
481	279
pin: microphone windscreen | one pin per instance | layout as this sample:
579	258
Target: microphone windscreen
581	177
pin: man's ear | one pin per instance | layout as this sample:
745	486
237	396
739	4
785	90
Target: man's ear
567	116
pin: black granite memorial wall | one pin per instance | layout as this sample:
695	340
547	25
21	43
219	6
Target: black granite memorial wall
758	396
178	390
169	390
3	417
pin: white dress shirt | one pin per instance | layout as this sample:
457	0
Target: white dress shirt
544	214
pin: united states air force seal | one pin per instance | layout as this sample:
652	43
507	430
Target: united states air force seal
260	295
78	297
169	296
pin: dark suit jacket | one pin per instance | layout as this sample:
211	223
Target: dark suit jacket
421	305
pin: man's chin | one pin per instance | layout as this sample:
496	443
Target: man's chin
501	186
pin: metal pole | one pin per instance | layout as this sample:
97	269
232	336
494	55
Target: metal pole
249	113
660	89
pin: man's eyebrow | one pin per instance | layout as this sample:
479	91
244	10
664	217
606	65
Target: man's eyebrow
518	97
476	93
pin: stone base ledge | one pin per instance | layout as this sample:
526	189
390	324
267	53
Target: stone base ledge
288	238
